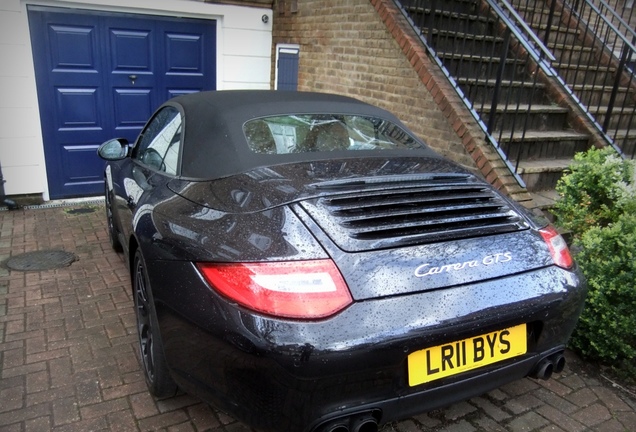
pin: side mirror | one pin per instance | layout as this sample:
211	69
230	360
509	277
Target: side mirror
114	149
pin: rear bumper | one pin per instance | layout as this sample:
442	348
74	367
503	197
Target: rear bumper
281	375
401	407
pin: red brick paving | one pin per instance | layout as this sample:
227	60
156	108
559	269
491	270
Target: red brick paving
68	354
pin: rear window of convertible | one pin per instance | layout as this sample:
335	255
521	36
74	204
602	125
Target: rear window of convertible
305	133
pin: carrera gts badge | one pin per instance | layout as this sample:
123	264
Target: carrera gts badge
498	258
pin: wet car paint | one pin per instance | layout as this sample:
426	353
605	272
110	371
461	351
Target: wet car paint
299	375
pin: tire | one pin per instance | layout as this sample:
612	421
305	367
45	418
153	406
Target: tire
152	358
113	233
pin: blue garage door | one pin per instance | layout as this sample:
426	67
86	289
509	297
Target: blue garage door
102	75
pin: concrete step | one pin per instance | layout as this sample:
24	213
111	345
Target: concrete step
558	34
531	109
481	91
539	145
537	16
622	117
534	135
532	4
475	44
469	65
573	53
470	16
545	199
470	23
542	175
600	95
585	74
625	139
461	35
544	166
458	6
536	117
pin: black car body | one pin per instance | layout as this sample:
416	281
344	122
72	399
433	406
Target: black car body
303	262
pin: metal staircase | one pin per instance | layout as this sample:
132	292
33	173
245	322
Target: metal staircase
513	62
594	48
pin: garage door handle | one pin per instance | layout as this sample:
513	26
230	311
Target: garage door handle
132	79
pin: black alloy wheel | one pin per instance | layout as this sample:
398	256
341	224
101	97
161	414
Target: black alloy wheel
151	353
113	236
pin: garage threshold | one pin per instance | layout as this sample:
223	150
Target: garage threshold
70	202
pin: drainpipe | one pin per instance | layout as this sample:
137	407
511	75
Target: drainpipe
3	199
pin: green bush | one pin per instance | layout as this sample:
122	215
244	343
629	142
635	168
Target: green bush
607	328
596	189
598	206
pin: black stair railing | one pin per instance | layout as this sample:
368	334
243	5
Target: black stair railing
595	50
490	56
491	50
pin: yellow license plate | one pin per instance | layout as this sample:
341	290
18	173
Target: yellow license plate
453	358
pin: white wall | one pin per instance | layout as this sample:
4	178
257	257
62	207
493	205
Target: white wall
243	61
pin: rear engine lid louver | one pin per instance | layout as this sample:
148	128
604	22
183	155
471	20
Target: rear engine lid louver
383	212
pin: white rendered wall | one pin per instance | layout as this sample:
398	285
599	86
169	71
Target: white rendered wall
243	58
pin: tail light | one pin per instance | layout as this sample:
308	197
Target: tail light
558	247
293	289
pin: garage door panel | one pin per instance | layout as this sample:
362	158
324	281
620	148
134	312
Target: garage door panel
133	107
131	51
184	54
188	50
178	92
73	48
84	166
78	108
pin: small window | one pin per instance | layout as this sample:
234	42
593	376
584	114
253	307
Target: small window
160	142
324	133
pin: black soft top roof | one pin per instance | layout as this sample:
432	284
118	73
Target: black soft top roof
214	142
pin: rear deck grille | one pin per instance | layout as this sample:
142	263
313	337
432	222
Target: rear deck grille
384	213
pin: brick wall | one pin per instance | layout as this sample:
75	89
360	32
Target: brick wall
345	48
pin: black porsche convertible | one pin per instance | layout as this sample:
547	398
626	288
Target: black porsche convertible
305	263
